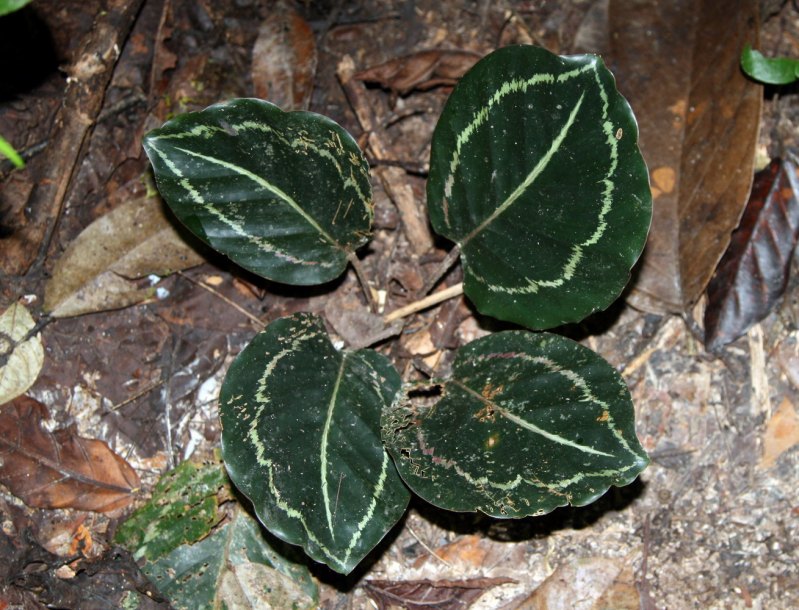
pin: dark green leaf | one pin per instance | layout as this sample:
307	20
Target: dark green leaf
283	194
301	439
772	71
528	422
535	172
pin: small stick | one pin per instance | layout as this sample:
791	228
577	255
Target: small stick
363	281
444	266
428	549
428	301
218	294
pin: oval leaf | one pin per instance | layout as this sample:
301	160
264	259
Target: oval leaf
301	439
535	172
527	423
769	70
21	355
283	194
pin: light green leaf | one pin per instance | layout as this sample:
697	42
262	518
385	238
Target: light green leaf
283	194
202	556
535	172
10	152
769	70
9	6
21	359
182	510
527	422
301	439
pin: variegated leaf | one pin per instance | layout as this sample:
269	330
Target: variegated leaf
283	194
535	172
301	439
527	422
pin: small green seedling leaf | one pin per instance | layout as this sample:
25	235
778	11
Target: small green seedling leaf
283	194
769	70
9	6
10	153
301	439
527	422
536	174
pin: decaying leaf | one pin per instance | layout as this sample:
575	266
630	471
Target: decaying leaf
426	594
182	510
753	273
593	583
284	60
422	70
59	469
201	555
678	65
20	359
782	433
132	241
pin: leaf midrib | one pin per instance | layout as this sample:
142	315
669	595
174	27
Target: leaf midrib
275	190
531	177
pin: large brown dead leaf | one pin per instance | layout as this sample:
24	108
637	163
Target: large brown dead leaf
97	270
678	64
284	59
59	469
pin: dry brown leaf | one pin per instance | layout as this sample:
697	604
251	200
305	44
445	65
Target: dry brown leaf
425	594
284	60
21	359
678	65
782	433
132	241
586	584
469	551
422	70
59	469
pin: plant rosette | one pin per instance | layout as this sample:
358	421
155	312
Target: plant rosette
536	176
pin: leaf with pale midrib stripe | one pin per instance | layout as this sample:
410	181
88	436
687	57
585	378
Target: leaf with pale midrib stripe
526	423
535	172
301	439
283	194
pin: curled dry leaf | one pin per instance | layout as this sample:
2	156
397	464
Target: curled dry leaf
59	469
753	273
97	270
678	65
284	60
21	358
422	70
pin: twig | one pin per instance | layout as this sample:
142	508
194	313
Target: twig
89	77
363	281
393	179
428	549
218	294
136	396
428	301
444	266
